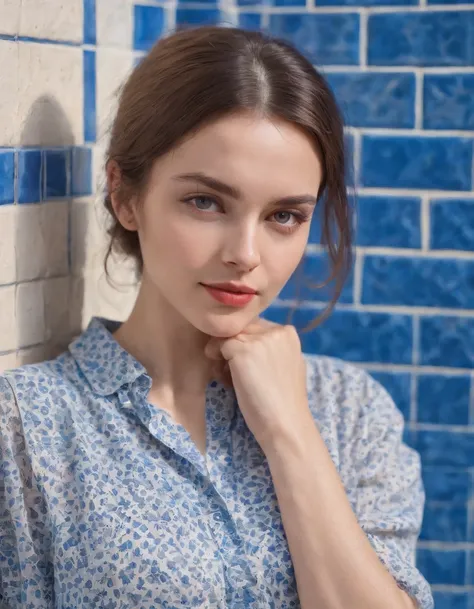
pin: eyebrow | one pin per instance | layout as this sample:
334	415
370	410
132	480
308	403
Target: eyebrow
235	193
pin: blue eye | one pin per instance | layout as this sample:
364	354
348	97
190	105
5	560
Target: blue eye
283	217
202	203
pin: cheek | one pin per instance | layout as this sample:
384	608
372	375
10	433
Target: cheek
284	261
178	243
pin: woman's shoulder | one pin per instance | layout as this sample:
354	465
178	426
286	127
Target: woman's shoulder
40	377
333	376
348	392
35	388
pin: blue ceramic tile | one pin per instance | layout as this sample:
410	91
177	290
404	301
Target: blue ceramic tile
445	448
446	485
366	2
250	21
388	222
447	101
446	567
7	176
250	3
289	2
447	341
470	532
398	385
149	24
375	99
314	271
417	162
56	163
443	399
451	600
349	159
452	224
470	575
444	523
30	176
195	17
89	21
421	39
90	128
393	280
355	336
454	2
324	39
81	172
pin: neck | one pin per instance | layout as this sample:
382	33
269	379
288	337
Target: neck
168	346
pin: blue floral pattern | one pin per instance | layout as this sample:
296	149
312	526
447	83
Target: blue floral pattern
106	503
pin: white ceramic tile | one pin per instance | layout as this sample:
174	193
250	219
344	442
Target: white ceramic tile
33	355
116	295
78	315
98	169
52	19
94	296
54	227
113	68
88	238
9	17
7	244
56	310
9	56
50	100
114	23
30	313
41	240
30	248
8	361
8	326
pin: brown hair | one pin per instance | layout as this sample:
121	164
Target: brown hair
198	75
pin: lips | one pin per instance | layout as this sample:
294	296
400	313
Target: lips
232	288
231	295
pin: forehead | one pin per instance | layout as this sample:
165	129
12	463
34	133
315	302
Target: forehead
250	152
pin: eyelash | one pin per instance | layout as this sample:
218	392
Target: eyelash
298	216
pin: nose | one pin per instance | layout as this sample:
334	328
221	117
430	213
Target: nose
240	248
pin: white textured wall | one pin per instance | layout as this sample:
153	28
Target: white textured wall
51	250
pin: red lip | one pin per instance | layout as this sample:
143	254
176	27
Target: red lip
227	294
235	288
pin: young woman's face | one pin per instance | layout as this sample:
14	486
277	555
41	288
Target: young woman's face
232	204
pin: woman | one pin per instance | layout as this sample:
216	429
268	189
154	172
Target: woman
192	457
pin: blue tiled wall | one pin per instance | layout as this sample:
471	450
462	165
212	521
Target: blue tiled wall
404	76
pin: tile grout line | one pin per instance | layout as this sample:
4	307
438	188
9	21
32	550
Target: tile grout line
358	276
415	362
419	84
425	224
363	34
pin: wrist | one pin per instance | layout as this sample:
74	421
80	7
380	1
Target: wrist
292	441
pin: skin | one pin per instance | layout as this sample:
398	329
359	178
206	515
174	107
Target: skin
191	232
183	336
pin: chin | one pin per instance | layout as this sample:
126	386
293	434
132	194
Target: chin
225	326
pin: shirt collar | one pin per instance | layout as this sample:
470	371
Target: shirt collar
106	366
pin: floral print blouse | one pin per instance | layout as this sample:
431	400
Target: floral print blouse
106	503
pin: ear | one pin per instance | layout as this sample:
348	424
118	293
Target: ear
124	210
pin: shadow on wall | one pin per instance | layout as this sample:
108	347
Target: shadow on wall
49	299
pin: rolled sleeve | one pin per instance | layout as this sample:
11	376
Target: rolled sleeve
390	495
26	579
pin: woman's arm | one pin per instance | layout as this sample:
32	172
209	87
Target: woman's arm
335	564
342	559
